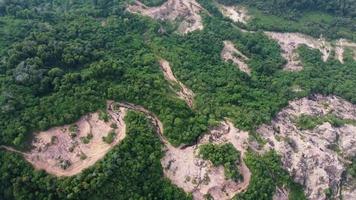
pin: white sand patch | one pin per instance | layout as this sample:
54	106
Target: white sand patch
184	93
309	155
188	171
235	13
186	11
230	53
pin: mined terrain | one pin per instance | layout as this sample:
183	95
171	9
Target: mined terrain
187	170
289	42
186	12
316	158
230	53
67	150
235	13
184	92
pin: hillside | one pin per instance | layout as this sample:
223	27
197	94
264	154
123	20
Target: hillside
177	99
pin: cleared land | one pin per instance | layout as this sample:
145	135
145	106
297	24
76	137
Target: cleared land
230	53
235	13
187	170
289	42
187	12
318	157
184	92
67	150
60	154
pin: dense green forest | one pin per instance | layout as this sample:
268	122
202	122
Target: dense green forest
62	59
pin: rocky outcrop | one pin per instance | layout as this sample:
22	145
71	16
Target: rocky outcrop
187	170
315	158
186	11
235	13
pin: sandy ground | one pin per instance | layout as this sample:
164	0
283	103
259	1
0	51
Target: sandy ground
184	93
56	146
235	13
309	155
230	53
188	171
186	11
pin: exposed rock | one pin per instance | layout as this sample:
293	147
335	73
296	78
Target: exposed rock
235	13
289	42
188	171
281	194
187	11
310	159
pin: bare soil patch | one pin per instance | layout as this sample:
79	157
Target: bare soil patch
235	13
186	11
184	93
182	165
340	47
289	42
59	153
315	158
188	171
230	53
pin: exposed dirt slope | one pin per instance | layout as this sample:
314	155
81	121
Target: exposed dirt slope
60	154
340	47
315	158
289	42
188	171
184	93
230	53
187	12
235	13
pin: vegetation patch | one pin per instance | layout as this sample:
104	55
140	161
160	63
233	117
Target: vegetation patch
267	175
225	155
110	137
308	122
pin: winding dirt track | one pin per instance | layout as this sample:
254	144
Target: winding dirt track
218	186
10	149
